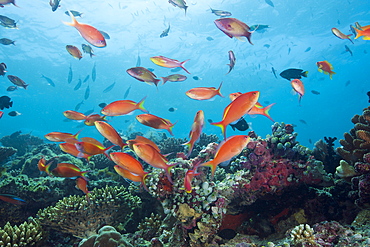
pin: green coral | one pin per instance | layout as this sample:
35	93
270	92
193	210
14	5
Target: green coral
75	215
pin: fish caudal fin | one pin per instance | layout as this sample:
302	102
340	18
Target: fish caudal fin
170	127
182	66
168	172
222	126
266	111
164	79
331	73
219	90
304	74
73	19
211	165
190	147
143	181
359	33
140	105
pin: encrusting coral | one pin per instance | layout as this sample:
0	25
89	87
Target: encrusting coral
26	234
77	216
107	237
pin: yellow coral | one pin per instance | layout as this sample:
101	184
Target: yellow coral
26	234
303	233
344	170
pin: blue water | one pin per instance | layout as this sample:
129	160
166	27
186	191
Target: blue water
135	27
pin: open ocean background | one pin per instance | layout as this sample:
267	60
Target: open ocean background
298	36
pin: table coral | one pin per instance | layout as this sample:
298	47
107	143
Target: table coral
74	215
26	234
107	237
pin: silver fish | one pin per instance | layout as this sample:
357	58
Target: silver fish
179	3
232	61
70	74
50	81
164	33
93	73
221	13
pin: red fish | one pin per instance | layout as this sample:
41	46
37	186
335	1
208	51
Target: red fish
226	150
91	148
43	166
74	51
168	62
142	139
204	93
81	184
92	118
196	130
74	115
130	176
71	149
236	109
234	28
326	68
68	170
110	133
155	122
12	199
298	87
89	33
188	178
61	137
123	107
364	32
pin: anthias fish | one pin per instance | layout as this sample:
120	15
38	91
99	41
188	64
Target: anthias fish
155	122
123	107
196	130
298	87
204	93
110	133
74	51
168	62
234	28
326	68
173	78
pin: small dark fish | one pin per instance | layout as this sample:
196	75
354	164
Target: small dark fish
138	61
176	69
105	35
274	72
232	60
87	49
102	105
86	78
87	92
3	69
221	13
77	107
210	120
127	92
266	102
109	88
289	50
338	22
78	85
11	88
54	4
209	38
5	102
347	83
241	125
12	199
310	141
348	50
269	2
290	74
93	73
14	113
171	109
70	75
352	29
308	49
315	92
17	81
163	34
50	81
7	22
259	28
5	41
365	51
74	13
302	121
321	79
197	78
267	45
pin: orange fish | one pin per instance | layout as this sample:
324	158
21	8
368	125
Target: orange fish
89	33
188	178
74	115
226	150
364	32
90	119
74	51
204	93
236	109
71	149
130	176
168	62
123	107
12	199
155	122
91	149
196	130
326	68
298	87
340	35
110	133
151	156
128	162
91	140
43	166
81	184
142	139
234	28
61	137
68	170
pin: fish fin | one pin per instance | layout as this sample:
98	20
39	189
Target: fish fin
359	33
266	111
164	79
182	66
222	126
140	104
219	90
243	39
366	38
143	181
73	19
211	165
304	74
190	147
170	128
168	172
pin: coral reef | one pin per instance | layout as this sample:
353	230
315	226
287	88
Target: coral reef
107	236
26	234
324	151
5	153
21	142
75	215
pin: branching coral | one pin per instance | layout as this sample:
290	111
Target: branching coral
75	215
27	234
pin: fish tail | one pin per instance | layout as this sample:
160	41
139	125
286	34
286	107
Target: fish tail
168	172
331	74
182	66
170	129
190	147
305	73
222	126
185	8
47	168
266	111
77	134
219	90
143	181
164	80
359	33
211	165
156	81
73	22
106	150
140	105
83	173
